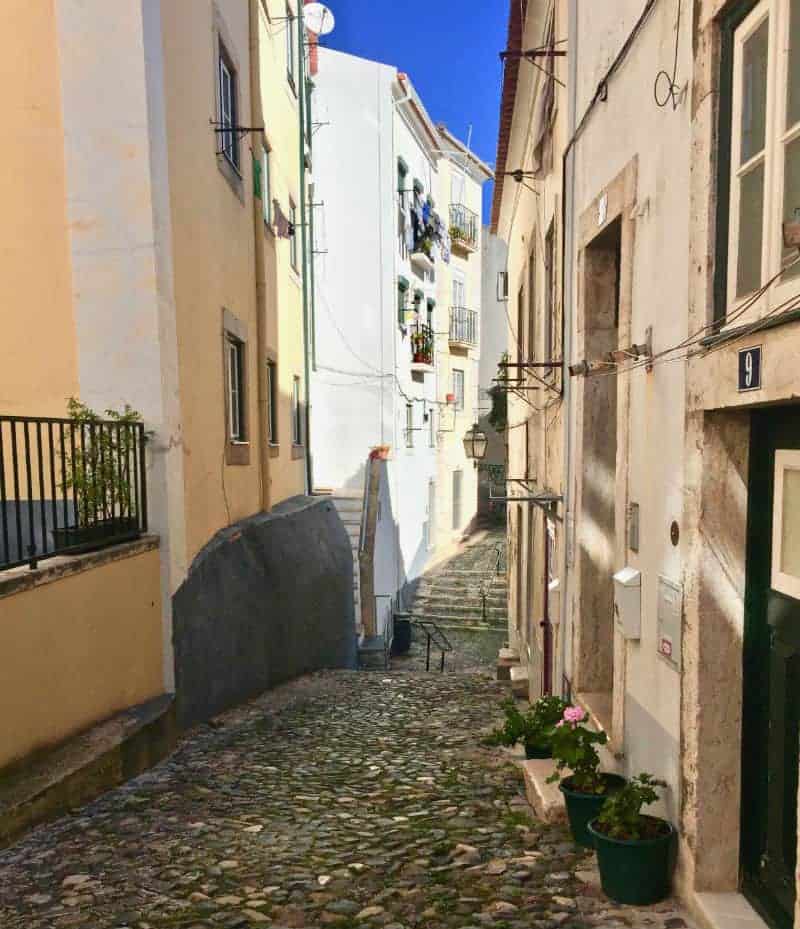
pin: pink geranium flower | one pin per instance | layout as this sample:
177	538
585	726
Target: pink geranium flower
574	714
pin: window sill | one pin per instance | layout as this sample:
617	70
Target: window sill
237	453
273	449
298	451
232	176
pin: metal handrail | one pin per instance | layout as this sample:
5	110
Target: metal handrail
463	325
67	485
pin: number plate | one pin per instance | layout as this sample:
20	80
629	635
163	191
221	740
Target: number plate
750	368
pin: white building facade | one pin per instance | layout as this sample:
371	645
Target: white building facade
386	275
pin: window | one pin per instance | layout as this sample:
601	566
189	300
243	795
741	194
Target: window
458	184
234	350
459	298
457	478
531	307
266	185
293	235
291	47
458	388
520	333
409	425
402	297
760	188
297	413
549	294
227	108
272	403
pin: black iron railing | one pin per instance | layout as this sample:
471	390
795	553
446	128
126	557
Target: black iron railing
421	344
464	226
463	325
68	486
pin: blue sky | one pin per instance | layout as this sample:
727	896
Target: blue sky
450	51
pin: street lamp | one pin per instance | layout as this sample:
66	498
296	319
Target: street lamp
476	444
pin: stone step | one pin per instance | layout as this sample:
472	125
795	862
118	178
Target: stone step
461	596
459	609
445	619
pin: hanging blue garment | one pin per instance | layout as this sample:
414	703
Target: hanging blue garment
426	213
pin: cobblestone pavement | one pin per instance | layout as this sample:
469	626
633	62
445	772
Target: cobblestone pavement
344	800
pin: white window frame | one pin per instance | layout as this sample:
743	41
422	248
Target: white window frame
297	413
458	284
460	396
431	429
266	183
227	108
777	137
234	356
291	47
788	584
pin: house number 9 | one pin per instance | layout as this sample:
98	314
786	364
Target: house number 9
750	368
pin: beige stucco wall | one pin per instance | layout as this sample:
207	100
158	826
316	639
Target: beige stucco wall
77	650
38	362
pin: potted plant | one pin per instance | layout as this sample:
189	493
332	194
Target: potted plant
635	852
587	787
100	467
533	729
456	233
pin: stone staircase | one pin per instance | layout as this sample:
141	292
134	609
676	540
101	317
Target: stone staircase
350	507
452	593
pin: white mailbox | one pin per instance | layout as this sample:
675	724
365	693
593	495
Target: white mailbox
628	602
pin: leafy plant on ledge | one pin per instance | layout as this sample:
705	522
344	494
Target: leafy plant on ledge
622	817
574	748
533	729
456	233
100	467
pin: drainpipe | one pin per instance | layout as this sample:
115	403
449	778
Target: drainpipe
567	289
257	119
301	87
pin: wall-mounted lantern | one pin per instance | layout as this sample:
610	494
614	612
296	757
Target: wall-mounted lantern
476	444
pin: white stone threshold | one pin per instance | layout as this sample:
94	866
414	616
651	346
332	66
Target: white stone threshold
725	911
546	799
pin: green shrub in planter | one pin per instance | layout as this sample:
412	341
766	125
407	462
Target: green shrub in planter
533	729
635	852
587	787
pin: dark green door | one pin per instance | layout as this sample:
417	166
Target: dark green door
772	667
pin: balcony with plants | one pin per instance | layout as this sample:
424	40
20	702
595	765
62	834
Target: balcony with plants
463	328
421	347
464	229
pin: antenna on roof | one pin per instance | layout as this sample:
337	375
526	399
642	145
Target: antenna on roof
318	18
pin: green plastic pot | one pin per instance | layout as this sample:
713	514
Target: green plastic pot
582	808
636	872
538	751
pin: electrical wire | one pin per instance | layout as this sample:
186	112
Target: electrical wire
673	91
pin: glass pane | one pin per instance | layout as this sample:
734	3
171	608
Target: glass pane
751	223
790	530
791	198
754	92
793	86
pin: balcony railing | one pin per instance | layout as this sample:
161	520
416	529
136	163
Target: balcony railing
463	325
68	486
464	226
422	344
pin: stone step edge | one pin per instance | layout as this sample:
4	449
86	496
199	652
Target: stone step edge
85	766
546	799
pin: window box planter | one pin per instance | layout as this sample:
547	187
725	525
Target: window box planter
583	808
80	539
636	872
422	261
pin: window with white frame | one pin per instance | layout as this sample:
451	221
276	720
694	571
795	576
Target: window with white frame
763	55
266	184
458	388
272	403
228	136
297	413
291	47
458	188
234	355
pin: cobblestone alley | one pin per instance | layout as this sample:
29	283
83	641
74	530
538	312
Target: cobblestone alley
344	800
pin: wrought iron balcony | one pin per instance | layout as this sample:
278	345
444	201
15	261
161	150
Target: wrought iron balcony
68	486
421	345
464	227
463	327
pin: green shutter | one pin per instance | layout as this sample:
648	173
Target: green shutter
256	177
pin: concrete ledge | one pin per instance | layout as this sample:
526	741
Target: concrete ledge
546	799
520	680
725	911
16	580
504	666
48	784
